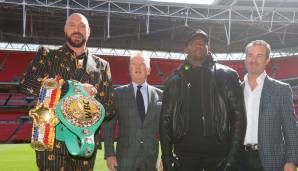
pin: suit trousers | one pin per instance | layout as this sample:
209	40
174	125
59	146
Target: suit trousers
141	164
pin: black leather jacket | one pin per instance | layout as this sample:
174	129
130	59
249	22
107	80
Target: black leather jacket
225	108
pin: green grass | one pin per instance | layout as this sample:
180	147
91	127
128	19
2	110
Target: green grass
21	157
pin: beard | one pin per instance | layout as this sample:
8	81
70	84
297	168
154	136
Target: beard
76	43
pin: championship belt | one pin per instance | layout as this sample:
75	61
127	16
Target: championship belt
80	115
44	117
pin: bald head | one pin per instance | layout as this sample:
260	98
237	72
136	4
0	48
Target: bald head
76	16
77	30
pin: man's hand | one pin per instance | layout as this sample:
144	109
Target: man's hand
160	166
112	163
289	167
90	89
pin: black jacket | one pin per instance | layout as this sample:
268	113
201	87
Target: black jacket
224	107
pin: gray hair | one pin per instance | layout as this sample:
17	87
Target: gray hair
141	54
260	43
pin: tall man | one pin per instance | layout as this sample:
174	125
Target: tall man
202	122
271	140
70	62
138	107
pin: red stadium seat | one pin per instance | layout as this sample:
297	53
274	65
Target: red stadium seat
15	63
24	133
7	130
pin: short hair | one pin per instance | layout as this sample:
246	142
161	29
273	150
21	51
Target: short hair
140	54
77	14
259	43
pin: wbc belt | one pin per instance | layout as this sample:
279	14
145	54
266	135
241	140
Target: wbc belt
44	117
80	115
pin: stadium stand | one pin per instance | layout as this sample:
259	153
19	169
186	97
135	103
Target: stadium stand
13	64
285	67
24	133
7	131
15	124
10	115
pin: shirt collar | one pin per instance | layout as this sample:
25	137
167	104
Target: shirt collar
144	85
260	78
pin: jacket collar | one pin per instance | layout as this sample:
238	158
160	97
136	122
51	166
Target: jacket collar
208	63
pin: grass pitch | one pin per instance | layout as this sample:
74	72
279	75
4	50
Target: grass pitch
21	157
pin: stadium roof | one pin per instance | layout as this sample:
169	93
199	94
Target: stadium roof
151	25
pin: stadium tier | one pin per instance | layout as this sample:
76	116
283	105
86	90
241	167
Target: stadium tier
13	64
7	131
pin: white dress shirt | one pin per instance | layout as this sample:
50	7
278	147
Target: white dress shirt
252	103
144	91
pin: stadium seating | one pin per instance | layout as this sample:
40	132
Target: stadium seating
285	67
16	99
9	117
12	116
24	133
14	63
7	130
11	122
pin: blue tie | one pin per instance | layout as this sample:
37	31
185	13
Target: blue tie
140	103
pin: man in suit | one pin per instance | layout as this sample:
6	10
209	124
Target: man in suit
138	107
271	140
70	62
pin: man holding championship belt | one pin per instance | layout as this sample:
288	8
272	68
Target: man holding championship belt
74	94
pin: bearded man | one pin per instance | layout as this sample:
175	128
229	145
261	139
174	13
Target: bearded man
70	62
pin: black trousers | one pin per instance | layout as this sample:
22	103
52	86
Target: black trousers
250	161
197	162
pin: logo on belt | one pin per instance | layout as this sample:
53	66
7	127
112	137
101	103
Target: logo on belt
81	111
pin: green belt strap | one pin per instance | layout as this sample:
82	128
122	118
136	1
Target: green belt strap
80	116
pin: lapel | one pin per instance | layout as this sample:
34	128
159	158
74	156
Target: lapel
131	95
150	102
264	95
149	98
71	67
266	90
242	85
67	60
91	64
